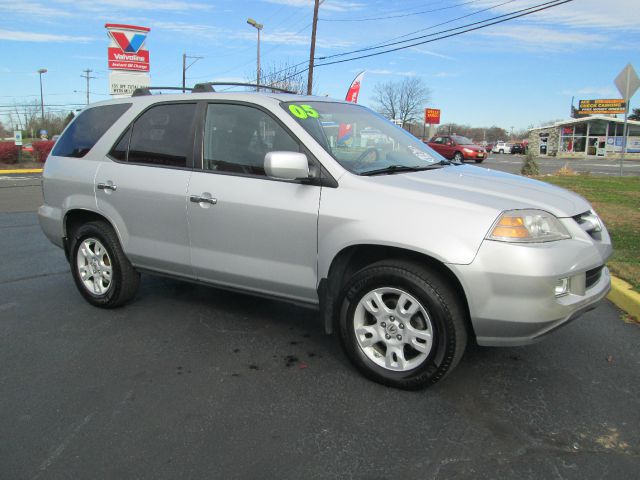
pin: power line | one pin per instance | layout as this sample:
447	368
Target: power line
551	3
555	4
440	24
388	17
511	16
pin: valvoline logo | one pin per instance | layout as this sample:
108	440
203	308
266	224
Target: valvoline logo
128	42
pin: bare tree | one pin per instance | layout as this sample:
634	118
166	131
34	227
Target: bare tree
404	100
281	75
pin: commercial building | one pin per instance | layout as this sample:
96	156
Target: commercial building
594	136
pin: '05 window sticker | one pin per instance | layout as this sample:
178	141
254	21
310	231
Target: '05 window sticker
303	111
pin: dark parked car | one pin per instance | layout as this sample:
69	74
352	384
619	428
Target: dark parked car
457	148
518	148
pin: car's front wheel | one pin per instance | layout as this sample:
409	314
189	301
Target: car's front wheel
102	272
401	324
458	157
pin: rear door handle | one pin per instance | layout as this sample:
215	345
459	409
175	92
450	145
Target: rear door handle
199	199
107	186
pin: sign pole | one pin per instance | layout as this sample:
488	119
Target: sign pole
626	113
624	139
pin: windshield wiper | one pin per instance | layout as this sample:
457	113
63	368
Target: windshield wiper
403	168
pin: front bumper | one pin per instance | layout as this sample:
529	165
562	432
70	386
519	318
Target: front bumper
510	288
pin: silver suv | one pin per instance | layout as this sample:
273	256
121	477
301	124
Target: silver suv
323	203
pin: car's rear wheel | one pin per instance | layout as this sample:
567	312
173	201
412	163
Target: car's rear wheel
102	272
501	151
401	324
458	157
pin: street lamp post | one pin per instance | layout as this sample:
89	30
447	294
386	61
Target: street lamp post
257	26
41	71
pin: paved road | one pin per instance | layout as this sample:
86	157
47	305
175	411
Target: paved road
194	382
550	165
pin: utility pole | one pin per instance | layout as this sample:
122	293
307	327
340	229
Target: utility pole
312	53
87	75
185	67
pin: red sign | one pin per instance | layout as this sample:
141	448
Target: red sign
127	49
432	116
119	60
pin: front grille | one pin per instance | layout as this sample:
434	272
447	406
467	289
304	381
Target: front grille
592	276
590	223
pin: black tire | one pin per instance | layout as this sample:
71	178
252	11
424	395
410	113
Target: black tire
458	157
501	152
124	278
443	308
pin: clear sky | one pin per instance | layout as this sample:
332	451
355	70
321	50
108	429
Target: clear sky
518	73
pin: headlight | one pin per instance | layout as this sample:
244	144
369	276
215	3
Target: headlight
467	150
527	226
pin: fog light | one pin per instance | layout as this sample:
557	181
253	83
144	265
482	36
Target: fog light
562	286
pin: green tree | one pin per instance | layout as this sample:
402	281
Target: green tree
635	114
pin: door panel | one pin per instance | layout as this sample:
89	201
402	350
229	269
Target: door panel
148	208
260	234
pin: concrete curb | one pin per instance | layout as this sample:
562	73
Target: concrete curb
22	170
624	297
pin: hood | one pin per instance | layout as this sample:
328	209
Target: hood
488	188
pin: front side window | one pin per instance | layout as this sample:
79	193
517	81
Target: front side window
360	140
163	135
237	138
460	140
85	131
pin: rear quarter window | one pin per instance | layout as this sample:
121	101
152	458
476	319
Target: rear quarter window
85	131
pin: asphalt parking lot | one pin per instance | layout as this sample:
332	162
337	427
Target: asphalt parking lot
549	165
194	382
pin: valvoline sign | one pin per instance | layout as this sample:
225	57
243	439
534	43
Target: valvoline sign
127	48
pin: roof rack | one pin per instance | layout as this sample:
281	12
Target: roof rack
198	86
206	87
141	92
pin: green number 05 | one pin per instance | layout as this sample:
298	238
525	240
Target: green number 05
303	111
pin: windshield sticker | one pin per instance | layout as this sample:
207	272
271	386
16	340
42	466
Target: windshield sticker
421	154
303	111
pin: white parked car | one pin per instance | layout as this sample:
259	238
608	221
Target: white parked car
501	147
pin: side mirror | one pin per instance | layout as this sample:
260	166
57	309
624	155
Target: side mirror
286	165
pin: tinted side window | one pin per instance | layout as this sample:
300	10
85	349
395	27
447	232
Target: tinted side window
119	152
87	129
163	135
237	138
438	140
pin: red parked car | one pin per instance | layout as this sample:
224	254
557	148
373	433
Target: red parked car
458	148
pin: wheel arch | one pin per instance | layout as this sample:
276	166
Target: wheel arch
355	257
74	218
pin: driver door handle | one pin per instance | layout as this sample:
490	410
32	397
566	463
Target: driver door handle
199	199
107	186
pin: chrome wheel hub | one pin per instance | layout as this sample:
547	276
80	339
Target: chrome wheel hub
393	329
94	266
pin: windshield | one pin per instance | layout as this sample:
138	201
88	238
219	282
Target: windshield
462	140
361	140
